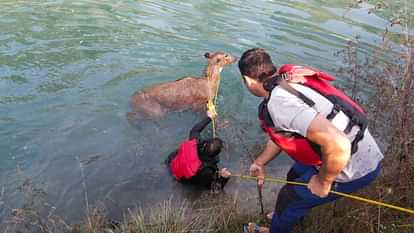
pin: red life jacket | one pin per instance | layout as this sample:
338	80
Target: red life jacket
186	163
298	147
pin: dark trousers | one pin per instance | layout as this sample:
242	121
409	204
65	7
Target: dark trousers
294	201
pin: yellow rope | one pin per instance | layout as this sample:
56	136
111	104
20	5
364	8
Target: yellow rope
406	225
212	108
212	102
276	180
217	90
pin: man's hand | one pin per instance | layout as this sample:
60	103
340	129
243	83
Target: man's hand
225	173
336	153
258	171
298	75
212	113
319	187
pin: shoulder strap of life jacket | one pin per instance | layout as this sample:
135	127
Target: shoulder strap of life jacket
280	80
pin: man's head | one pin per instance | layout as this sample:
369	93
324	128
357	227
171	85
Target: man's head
255	67
212	147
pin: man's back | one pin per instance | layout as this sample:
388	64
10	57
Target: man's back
290	113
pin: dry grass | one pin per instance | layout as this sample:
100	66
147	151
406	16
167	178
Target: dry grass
211	216
35	215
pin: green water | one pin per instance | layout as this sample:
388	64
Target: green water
67	69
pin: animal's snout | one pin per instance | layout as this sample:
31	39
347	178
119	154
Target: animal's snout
230	59
235	59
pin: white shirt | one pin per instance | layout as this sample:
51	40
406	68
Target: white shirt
290	113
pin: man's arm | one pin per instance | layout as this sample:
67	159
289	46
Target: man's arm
336	152
270	152
199	127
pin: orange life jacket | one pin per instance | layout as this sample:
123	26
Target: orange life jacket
186	163
297	146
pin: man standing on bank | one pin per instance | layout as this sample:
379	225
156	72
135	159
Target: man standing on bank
322	129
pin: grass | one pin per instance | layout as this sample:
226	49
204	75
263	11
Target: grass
213	216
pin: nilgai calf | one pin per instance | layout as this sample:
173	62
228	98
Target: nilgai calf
186	93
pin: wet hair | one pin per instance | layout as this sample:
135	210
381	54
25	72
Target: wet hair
257	64
212	147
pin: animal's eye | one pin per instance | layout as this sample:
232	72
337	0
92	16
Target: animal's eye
218	60
226	55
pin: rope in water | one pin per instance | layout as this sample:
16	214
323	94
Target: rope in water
378	203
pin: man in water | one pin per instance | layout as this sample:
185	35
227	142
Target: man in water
196	160
322	129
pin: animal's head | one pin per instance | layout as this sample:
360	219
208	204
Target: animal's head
220	59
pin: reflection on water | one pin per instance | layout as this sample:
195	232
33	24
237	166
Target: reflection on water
68	68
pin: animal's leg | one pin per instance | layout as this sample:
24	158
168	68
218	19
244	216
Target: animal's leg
153	110
145	107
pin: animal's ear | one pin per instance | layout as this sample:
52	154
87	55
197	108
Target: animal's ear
207	55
